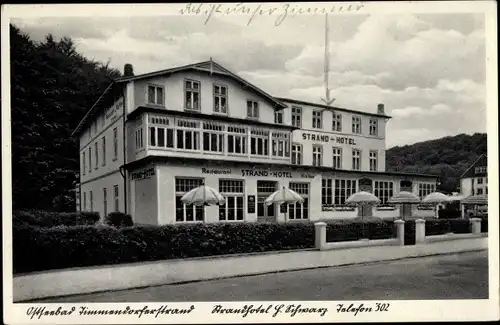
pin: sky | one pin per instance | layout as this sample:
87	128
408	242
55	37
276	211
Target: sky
428	69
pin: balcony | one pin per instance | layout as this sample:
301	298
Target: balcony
190	137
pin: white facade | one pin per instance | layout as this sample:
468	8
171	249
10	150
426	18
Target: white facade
475	180
205	125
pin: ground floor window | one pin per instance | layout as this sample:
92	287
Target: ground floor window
183	212
383	190
105	201
91	202
425	189
326	191
298	211
233	191
343	189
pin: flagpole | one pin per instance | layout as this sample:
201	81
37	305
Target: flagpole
327	100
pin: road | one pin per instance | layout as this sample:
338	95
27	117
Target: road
459	276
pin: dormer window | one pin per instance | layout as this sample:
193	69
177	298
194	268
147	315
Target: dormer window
220	99
278	117
192	95
252	109
155	95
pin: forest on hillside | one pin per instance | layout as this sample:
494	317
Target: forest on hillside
52	87
448	157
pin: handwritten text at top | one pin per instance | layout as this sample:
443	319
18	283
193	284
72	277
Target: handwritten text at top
281	11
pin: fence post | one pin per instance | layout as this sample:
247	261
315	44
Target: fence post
419	231
400	231
319	234
475	225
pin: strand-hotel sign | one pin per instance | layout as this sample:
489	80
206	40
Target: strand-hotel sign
328	138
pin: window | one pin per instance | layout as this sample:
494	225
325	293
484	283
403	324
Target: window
479	191
373	160
161	132
252	109
103	151
299	211
155	95
425	189
236	139
356	124
373	127
296	154
116	195
296	116
337	157
83	163
383	190
482	169
183	212
356	159
280	144
233	209
115	143
278	117
90	159
259	142
317	119
188	135
192	95
337	122
96	149
213	137
220	99
479	180
317	155
486	190
326	191
139	141
105	201
84	201
91	198
343	189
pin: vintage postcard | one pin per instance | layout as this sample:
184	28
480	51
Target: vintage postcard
250	162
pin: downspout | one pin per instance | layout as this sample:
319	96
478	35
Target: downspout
124	150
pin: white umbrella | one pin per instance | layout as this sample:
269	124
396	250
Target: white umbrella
362	197
203	195
404	198
456	197
285	195
435	198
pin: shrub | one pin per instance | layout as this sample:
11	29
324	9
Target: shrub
118	219
443	226
36	248
39	218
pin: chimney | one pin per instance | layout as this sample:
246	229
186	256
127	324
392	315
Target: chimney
380	109
128	70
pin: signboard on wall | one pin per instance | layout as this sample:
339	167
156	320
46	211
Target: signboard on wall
111	111
254	172
251	204
326	138
143	174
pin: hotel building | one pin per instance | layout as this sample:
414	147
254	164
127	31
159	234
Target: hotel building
151	138
475	179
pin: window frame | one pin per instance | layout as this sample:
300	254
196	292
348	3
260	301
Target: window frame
192	90
155	87
220	97
255	108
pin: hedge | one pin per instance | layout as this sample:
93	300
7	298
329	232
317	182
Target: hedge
119	219
36	249
337	231
39	218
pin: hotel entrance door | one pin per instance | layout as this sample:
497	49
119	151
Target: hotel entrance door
264	189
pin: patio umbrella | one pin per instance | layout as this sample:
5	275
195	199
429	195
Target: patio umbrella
404	198
359	199
284	196
203	195
435	198
474	200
